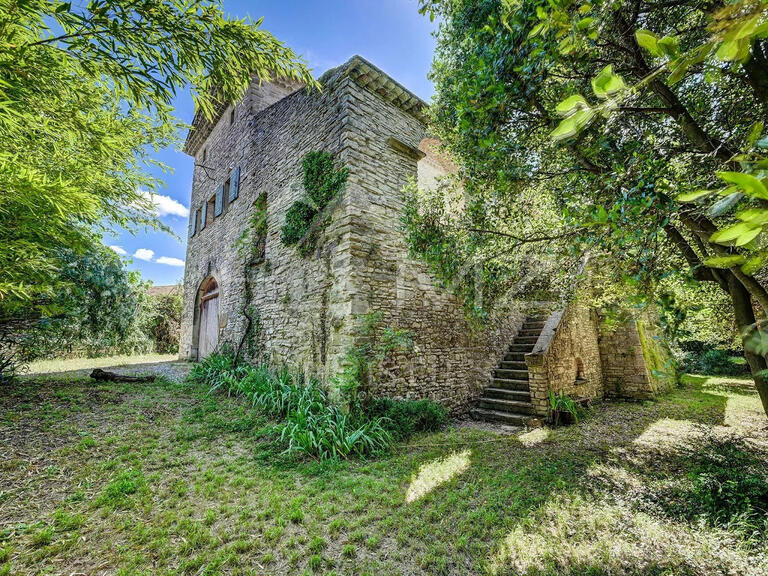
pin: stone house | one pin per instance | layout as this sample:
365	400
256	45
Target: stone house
308	311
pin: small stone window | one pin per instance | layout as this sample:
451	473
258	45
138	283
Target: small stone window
232	116
195	222
581	377
204	155
210	208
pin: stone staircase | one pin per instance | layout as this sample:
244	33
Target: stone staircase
508	399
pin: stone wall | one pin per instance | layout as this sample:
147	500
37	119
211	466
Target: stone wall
451	361
566	358
636	363
302	303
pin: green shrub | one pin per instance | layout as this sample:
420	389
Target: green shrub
298	221
311	425
403	418
716	362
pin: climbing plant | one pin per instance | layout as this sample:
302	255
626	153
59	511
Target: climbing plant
306	219
251	246
377	341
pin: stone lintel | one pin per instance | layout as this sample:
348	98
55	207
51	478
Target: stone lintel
403	148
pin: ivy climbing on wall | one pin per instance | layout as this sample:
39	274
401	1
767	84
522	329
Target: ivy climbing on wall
306	219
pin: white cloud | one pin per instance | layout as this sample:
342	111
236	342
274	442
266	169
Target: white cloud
118	249
165	205
144	254
170	261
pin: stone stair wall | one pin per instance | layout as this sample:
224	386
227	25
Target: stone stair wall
566	357
580	355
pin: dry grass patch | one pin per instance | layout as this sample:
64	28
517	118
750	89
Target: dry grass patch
169	479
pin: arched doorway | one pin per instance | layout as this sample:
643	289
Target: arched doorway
208	327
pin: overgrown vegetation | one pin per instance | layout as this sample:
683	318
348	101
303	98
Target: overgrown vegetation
630	131
306	219
102	310
715	361
728	488
376	341
169	478
563	409
308	423
99	307
404	418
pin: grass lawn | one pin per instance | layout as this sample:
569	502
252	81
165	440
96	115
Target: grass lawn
166	479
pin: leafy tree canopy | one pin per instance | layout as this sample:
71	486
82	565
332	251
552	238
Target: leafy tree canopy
622	109
85	97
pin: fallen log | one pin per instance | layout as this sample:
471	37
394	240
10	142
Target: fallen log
103	375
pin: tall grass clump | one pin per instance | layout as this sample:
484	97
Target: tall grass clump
310	425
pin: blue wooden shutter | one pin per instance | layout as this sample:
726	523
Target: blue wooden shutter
192	223
204	215
218	204
234	184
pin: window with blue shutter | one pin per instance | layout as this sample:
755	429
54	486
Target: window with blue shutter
192	223
203	215
218	204
234	184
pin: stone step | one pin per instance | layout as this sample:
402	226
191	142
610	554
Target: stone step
514	357
510	384
533	326
504	394
526	339
513	365
529	332
524	348
501	417
514	406
511	374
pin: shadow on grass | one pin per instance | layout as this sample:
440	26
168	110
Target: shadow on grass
609	495
629	474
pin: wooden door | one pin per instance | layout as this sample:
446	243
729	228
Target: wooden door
209	322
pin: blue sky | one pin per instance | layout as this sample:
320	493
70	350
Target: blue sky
389	33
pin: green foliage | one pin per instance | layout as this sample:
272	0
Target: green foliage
99	307
728	489
77	135
305	220
119	491
404	418
717	362
560	404
321	180
376	342
163	322
310	424
298	222
615	112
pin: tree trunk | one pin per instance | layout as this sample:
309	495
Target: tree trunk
757	71
745	320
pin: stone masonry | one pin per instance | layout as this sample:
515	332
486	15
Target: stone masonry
309	310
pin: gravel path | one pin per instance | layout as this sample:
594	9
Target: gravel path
174	370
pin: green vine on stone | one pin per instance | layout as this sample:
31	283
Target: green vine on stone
306	219
377	342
